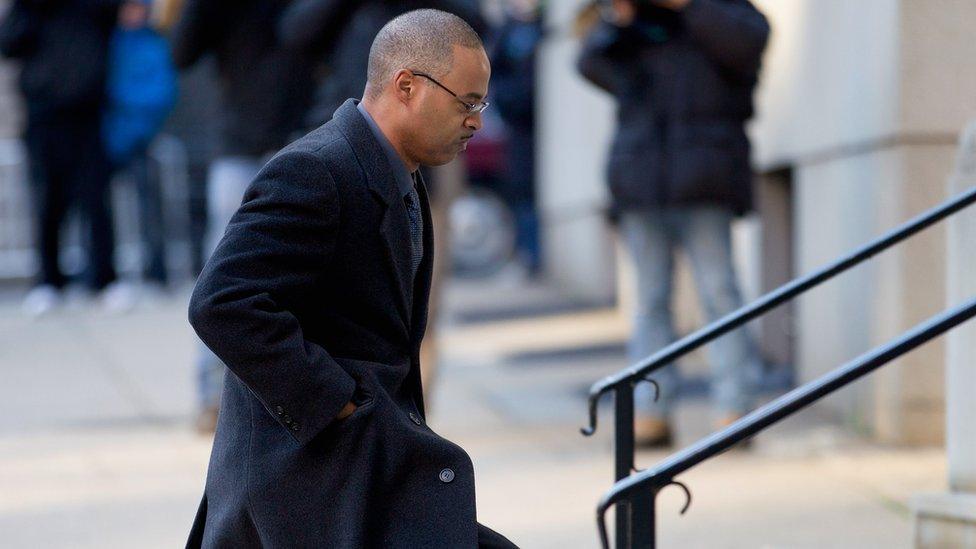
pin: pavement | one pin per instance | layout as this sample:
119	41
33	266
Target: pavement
97	447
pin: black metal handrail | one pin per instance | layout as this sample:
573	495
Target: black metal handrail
663	474
632	533
771	300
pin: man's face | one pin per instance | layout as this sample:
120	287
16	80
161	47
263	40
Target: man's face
440	125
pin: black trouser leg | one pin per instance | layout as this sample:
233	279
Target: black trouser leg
91	178
50	201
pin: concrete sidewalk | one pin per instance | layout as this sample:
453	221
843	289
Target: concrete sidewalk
96	448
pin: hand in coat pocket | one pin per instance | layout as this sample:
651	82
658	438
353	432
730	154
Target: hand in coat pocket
347	410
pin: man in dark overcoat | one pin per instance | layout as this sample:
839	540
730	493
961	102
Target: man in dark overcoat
316	300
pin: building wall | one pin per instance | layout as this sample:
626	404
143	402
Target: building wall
864	100
833	210
829	80
909	402
575	124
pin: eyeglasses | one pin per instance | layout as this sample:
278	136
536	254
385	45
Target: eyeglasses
471	108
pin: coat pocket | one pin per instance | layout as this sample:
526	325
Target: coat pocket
365	399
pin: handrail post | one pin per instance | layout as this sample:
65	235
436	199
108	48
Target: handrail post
635	517
643	519
623	452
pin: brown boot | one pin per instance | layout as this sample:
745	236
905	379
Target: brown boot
652	432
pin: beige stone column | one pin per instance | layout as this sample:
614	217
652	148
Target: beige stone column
949	519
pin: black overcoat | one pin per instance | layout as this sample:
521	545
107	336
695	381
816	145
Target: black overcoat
309	301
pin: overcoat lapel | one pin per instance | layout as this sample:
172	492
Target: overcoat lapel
382	183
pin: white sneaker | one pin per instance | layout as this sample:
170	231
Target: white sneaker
118	297
154	293
41	300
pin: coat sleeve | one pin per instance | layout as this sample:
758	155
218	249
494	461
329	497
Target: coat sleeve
275	246
606	58
732	33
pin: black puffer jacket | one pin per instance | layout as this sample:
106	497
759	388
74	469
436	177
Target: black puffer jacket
63	45
265	89
683	83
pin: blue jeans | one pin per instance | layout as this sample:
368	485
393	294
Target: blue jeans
703	232
229	177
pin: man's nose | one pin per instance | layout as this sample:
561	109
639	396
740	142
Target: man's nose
473	122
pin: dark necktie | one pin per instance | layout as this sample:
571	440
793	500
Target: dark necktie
412	201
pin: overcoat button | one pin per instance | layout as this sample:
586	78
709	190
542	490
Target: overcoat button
446	476
286	419
416	419
279	410
294	427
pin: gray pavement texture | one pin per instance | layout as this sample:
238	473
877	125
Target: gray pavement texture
97	449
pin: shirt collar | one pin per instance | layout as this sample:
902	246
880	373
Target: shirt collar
403	176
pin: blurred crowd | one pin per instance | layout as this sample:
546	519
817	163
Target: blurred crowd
102	79
235	81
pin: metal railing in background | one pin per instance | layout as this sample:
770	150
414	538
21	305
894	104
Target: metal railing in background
635	523
17	257
16	239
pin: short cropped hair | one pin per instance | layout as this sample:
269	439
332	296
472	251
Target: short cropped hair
420	40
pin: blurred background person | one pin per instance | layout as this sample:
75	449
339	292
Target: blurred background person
682	73
265	91
63	49
142	89
513	62
338	35
194	123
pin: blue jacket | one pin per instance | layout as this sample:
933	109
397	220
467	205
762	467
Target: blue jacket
142	89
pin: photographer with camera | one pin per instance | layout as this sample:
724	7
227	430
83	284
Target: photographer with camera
682	73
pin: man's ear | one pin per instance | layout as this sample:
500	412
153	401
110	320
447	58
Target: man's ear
404	85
